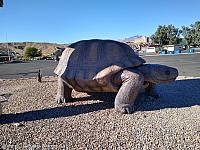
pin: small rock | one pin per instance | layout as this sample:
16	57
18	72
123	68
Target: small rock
18	124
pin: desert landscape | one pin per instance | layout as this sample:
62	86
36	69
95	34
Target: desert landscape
99	46
32	118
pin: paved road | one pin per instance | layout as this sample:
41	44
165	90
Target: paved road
188	65
27	69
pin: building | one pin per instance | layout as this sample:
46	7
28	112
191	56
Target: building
172	48
6	56
139	40
151	49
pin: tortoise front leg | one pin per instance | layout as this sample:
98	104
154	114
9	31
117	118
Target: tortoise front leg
151	91
63	92
131	84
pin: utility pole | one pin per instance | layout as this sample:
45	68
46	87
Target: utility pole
9	58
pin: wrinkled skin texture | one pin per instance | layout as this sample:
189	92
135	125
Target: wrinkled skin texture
155	73
108	66
63	92
131	84
127	82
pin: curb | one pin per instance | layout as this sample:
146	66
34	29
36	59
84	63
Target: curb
44	77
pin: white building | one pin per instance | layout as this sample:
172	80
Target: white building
173	47
152	49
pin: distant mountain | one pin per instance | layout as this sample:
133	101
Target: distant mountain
19	47
131	38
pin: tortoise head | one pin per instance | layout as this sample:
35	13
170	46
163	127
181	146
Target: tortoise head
156	73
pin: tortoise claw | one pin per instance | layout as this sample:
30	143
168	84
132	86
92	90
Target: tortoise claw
61	99
126	110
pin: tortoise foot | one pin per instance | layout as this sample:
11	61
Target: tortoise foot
125	110
61	99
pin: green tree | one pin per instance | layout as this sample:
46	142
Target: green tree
32	52
192	34
188	36
196	31
172	34
166	35
159	36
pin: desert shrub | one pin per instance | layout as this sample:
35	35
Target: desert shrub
32	52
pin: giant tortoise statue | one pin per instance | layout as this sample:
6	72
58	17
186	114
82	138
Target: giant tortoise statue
108	66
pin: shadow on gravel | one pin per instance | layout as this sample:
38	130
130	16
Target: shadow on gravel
19	75
57	112
6	96
23	73
179	94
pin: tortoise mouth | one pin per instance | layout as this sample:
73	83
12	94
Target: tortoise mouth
165	81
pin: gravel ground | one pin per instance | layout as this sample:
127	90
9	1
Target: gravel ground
33	120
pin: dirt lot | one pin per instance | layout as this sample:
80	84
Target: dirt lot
33	120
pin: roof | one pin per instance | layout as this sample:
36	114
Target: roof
6	53
173	45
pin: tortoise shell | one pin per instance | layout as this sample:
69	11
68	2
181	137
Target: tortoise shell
90	59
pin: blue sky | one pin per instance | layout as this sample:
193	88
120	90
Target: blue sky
66	21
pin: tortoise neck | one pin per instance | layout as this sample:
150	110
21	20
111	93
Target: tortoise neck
145	69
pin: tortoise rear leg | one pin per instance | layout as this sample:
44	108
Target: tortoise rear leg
131	85
63	92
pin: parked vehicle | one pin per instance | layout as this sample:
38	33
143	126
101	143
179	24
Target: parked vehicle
191	50
177	51
170	52
164	51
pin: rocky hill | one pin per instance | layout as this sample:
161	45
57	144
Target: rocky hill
131	38
19	47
